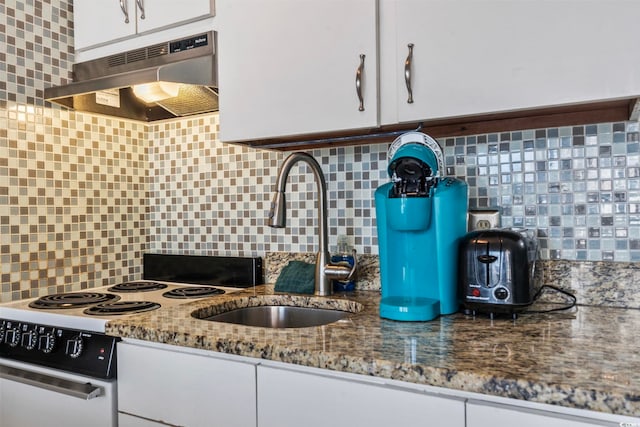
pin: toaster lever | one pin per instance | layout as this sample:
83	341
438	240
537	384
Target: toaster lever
487	259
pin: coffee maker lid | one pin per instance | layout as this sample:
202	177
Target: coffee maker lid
423	140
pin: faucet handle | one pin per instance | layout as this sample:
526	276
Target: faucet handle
340	271
352	273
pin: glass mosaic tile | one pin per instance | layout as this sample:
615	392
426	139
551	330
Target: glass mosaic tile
83	197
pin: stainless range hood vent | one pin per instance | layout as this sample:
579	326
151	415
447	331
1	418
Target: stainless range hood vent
112	85
137	55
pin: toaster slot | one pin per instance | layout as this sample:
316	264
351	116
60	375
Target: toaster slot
488	253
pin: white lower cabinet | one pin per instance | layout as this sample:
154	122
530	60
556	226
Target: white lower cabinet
160	385
288	398
482	414
163	385
126	420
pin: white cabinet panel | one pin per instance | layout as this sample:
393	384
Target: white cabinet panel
480	56
97	22
100	22
288	67
166	13
125	420
291	399
493	415
185	389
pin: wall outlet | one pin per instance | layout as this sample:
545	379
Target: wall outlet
483	224
483	219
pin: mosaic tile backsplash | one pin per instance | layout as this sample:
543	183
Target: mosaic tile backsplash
578	186
73	206
82	197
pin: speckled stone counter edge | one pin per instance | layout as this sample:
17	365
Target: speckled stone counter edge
595	283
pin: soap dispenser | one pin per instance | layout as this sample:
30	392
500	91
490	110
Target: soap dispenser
344	256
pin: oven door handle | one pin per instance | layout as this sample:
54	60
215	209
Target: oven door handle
85	391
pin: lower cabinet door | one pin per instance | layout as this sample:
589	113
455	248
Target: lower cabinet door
292	399
168	386
495	415
125	420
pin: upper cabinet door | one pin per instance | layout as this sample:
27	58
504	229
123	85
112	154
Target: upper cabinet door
105	21
159	14
481	56
290	67
98	22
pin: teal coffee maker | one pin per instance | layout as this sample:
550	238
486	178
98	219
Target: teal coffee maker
421	216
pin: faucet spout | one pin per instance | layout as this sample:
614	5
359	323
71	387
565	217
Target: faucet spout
277	218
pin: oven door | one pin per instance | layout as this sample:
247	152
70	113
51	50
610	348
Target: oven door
34	396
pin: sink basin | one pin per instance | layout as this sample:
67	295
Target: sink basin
279	316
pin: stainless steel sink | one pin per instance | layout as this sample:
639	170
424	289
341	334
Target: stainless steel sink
279	316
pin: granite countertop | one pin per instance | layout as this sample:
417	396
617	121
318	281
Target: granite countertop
586	358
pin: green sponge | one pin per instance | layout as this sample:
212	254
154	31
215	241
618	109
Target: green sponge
297	277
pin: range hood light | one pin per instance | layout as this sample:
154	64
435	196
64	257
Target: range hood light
156	91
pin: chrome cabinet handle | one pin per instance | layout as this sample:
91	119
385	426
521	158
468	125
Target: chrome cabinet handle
140	4
123	6
359	83
407	73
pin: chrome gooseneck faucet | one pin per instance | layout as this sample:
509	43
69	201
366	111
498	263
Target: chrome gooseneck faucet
325	271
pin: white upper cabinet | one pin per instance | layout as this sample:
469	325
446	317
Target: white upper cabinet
105	21
290	67
482	56
166	13
97	22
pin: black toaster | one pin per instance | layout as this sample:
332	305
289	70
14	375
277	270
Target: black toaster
496	269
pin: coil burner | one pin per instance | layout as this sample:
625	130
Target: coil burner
137	287
72	300
193	292
121	307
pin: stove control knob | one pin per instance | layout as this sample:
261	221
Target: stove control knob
2	332
47	342
13	337
74	347
30	340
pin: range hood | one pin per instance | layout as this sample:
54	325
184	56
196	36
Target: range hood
167	80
